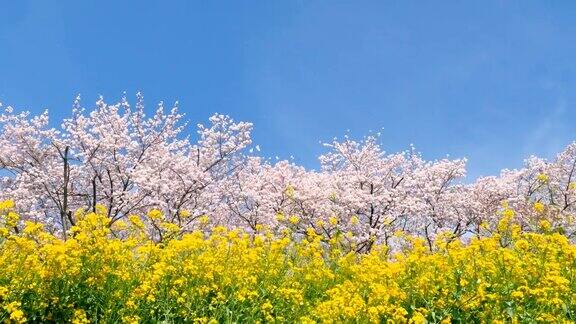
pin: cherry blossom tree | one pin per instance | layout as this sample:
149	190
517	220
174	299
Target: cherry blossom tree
379	194
546	190
116	156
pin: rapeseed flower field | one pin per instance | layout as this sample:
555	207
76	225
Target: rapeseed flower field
113	272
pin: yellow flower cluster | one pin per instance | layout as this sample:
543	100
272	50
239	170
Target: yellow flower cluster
542	177
101	275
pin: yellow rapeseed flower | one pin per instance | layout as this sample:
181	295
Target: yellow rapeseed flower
539	207
333	220
542	177
12	219
545	225
354	220
294	219
6	204
155	214
80	317
204	219
136	221
280	217
16	314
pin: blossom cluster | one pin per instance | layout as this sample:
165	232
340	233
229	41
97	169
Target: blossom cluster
107	272
115	156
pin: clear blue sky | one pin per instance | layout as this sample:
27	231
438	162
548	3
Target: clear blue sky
493	81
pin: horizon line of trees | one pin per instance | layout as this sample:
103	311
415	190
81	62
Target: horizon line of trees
116	156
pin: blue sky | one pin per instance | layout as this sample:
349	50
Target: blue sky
492	81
